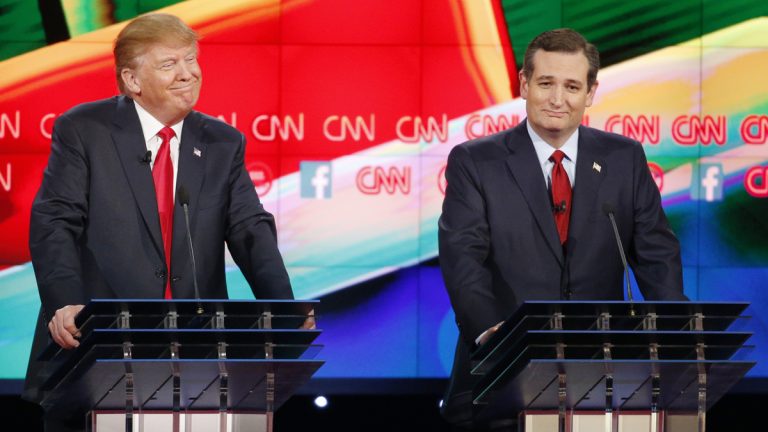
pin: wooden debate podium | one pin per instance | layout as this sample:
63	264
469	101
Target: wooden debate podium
182	365
608	366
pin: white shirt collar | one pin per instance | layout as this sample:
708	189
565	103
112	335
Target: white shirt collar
544	150
150	126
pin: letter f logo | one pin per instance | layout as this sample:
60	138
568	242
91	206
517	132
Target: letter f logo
315	179
708	183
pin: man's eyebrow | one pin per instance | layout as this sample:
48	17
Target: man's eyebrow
567	80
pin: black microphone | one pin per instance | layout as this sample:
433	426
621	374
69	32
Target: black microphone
559	208
184	200
608	210
147	159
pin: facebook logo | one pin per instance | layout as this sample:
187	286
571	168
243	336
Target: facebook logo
315	179
707	184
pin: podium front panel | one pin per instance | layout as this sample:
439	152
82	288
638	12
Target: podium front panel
536	386
104	384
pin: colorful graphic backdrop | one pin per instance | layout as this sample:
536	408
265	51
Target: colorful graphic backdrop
350	109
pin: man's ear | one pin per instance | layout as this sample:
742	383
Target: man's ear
130	81
591	94
523	85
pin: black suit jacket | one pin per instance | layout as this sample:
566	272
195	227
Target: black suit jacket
95	231
499	244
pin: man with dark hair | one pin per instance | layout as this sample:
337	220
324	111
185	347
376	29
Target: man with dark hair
105	222
523	211
563	41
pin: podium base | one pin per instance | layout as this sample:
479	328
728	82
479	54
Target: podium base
163	421
597	421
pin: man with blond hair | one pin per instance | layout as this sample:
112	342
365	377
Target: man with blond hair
107	221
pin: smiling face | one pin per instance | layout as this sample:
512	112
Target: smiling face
165	81
557	94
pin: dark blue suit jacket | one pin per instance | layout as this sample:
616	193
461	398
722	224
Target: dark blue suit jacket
95	231
499	244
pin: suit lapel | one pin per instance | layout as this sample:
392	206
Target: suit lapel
525	168
129	142
191	172
590	172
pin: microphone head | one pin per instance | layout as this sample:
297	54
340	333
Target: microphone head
608	208
182	195
147	158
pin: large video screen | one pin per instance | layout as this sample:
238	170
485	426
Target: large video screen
350	109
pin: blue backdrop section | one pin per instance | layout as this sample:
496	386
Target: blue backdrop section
399	325
19	304
717	284
370	330
437	326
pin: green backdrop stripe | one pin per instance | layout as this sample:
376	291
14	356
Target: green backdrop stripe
622	30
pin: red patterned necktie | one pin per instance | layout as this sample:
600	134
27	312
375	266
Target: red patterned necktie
561	195
162	174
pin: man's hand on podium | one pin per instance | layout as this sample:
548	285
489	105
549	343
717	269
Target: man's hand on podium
309	323
483	338
62	326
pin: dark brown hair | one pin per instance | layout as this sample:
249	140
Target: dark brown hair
563	40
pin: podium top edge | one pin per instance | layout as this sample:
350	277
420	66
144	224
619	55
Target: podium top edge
715	308
230	301
634	303
202	307
692	362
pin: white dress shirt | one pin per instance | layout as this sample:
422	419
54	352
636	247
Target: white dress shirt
150	126
544	151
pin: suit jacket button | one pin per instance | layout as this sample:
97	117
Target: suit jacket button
175	278
160	273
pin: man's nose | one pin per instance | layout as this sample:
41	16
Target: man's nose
183	71
556	96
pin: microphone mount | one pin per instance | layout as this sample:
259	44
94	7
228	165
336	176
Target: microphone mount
608	210
184	200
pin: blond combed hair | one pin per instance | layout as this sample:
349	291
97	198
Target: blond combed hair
144	31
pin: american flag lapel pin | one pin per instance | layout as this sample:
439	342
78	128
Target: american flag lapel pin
596	166
196	151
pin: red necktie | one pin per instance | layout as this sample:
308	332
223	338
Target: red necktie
561	195
162	174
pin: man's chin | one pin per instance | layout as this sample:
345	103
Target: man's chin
553	128
188	97
186	105
180	112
